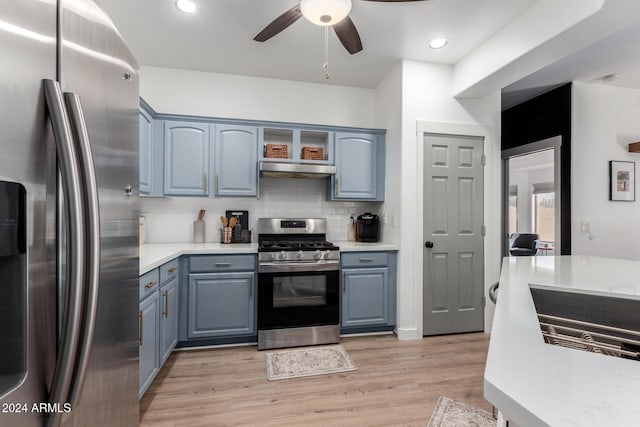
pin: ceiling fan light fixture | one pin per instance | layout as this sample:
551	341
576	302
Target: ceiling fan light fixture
325	12
186	6
438	43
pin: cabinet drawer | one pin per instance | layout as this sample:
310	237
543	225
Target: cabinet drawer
364	259
168	271
220	263
149	283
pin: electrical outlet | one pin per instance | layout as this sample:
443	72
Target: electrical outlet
585	226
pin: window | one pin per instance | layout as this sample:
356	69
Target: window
543	211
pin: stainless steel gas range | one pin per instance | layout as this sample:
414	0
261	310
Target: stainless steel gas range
298	283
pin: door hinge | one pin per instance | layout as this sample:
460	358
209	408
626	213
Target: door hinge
484	301
483	230
484	160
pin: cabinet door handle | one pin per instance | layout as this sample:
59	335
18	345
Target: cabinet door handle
250	286
366	259
140	328
217	185
344	282
204	182
223	264
337	187
173	270
166	304
151	284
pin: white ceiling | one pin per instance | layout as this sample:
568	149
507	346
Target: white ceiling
219	37
618	53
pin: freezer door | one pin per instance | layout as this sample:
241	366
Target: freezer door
27	158
97	66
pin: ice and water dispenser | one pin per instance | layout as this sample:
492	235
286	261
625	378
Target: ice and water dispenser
13	285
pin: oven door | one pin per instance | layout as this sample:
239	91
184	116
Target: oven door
298	295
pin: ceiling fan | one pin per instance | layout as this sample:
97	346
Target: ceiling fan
333	13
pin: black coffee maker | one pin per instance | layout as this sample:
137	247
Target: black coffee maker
367	227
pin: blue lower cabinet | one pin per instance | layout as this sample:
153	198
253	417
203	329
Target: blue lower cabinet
158	320
368	291
149	333
168	318
364	297
221	304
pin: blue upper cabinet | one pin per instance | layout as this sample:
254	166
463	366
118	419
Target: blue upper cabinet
236	160
146	151
186	158
151	151
359	161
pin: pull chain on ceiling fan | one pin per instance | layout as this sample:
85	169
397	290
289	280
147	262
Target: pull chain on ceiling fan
326	13
326	53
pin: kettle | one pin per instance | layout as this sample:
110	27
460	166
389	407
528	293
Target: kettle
367	227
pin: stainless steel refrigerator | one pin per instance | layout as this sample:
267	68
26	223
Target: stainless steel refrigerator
68	217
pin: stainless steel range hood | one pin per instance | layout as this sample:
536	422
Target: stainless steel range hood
296	170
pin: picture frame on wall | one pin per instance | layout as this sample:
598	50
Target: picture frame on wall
622	181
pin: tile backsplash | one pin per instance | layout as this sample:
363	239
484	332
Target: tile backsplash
170	220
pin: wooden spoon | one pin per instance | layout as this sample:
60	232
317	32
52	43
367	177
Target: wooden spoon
223	220
232	221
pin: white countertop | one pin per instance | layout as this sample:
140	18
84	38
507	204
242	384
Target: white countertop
346	246
537	384
153	255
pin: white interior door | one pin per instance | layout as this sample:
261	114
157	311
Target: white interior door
453	254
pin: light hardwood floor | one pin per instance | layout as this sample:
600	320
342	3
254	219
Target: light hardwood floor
397	384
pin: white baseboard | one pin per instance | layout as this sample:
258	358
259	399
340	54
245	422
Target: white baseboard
406	334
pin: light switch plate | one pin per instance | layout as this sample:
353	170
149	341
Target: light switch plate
585	226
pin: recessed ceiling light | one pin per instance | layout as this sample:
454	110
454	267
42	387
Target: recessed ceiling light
186	6
438	43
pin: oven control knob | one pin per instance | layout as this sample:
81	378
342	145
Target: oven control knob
317	255
272	256
299	255
282	255
327	254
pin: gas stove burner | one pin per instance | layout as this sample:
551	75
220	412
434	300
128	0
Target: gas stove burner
295	240
288	245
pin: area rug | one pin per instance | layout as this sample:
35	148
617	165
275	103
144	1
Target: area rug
450	413
308	361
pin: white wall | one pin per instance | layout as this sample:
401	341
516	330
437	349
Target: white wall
605	120
426	96
171	219
388	102
242	97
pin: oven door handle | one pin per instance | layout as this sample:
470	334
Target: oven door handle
298	267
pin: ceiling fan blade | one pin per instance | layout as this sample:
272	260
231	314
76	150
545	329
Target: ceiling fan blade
279	24
348	35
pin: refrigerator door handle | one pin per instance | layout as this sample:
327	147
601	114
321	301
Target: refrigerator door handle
92	224
74	204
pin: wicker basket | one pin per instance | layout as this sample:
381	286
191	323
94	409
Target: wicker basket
312	153
276	151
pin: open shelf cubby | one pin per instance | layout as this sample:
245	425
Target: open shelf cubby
278	137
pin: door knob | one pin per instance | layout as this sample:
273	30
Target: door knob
428	245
